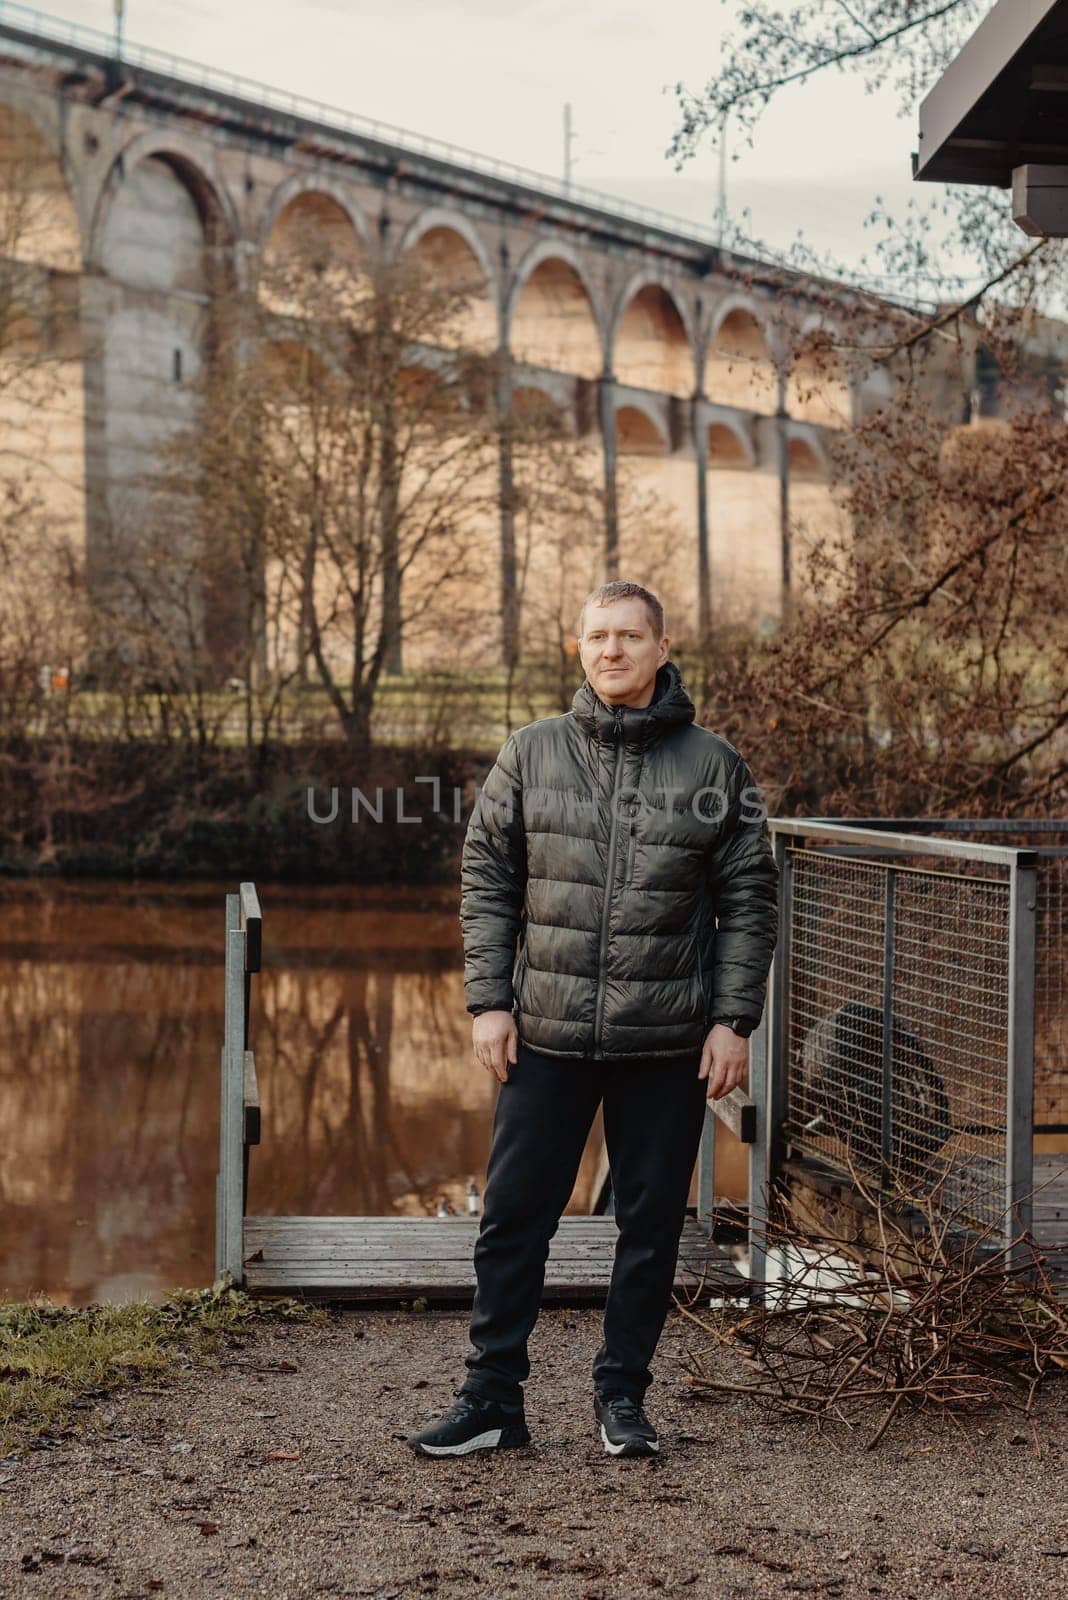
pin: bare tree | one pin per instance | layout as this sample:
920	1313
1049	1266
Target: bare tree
921	667
42	618
355	459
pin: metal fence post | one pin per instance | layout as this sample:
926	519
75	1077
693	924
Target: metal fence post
229	1183
768	1077
759	1093
887	1113
706	1172
1019	1096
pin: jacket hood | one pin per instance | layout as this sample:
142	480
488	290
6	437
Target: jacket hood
670	707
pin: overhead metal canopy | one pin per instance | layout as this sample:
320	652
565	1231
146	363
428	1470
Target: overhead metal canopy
1002	104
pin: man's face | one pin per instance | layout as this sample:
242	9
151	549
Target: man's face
620	652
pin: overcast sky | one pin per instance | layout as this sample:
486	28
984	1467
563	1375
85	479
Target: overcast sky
494	75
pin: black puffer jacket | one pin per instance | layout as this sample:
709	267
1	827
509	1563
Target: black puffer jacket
608	841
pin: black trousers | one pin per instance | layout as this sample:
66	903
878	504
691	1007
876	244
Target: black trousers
654	1111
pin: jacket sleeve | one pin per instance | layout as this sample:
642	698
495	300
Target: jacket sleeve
744	883
493	877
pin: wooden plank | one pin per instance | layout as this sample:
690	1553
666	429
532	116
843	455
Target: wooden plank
369	1294
460	1274
602	1224
367	1257
401	1250
431	1236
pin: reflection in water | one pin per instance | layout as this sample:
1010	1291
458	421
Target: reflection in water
110	1031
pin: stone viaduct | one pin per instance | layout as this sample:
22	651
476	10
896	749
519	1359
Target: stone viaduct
693	368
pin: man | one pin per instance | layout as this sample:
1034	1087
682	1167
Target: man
627	850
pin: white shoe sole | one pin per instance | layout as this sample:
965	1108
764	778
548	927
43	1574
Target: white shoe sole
649	1446
481	1441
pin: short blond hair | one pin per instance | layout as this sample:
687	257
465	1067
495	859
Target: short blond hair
620	589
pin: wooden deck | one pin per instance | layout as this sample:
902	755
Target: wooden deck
390	1258
393	1258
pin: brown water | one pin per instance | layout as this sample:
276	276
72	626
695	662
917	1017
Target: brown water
111	1002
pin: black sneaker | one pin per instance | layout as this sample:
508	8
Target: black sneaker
472	1423
625	1429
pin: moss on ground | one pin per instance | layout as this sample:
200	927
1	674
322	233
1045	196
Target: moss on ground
54	1360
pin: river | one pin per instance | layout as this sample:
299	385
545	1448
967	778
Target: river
111	1001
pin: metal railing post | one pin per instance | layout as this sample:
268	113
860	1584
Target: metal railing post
887	1098
760	1094
1019	1095
229	1193
768	1077
706	1172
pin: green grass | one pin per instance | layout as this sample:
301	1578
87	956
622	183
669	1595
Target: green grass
56	1360
475	700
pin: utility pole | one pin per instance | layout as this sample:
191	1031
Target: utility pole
721	205
120	8
569	139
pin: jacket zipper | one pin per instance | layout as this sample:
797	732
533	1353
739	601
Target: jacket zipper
630	853
608	885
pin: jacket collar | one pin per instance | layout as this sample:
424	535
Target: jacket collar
670	707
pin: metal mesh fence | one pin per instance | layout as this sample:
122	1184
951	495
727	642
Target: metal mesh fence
896	1024
1051	995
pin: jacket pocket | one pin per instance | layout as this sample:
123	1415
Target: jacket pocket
632	844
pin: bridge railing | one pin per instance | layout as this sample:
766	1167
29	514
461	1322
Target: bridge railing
29	26
900	1030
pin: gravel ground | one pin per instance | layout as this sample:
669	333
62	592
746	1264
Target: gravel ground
286	1473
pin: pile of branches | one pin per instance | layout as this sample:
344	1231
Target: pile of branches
922	1313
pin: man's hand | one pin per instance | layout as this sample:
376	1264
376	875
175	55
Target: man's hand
724	1060
494	1038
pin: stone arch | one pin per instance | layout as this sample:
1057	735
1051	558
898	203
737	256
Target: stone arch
739	369
317	183
312	259
436	218
729	447
37	211
552	317
651	339
808	460
194	169
456	255
639	432
314	224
